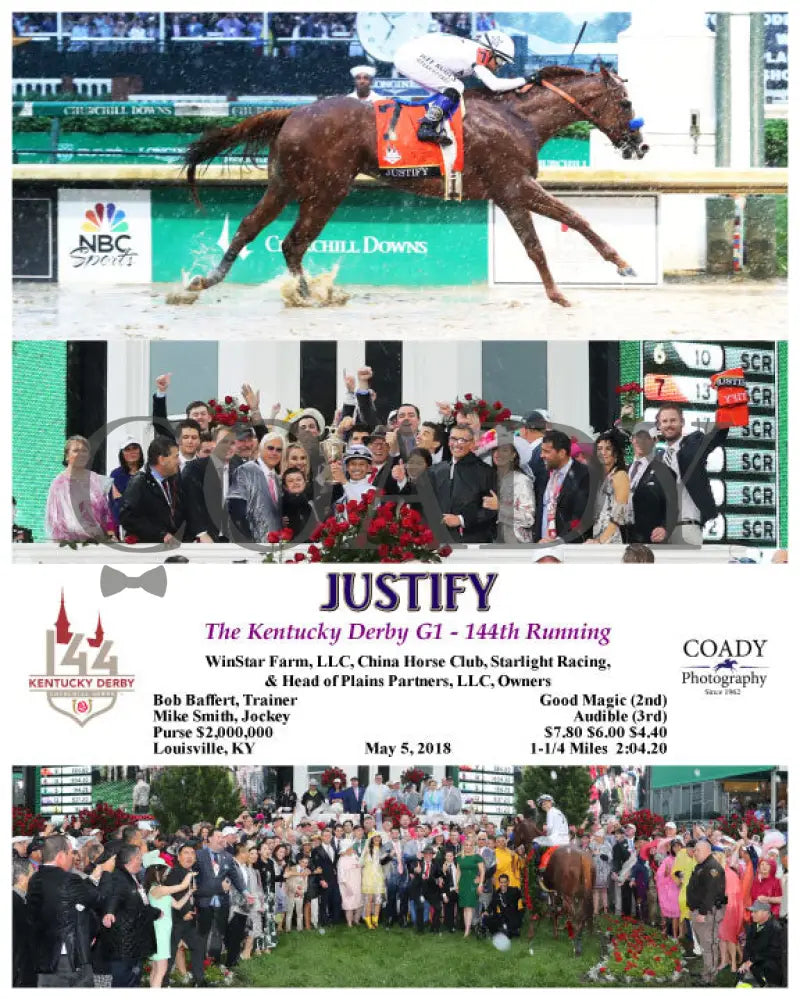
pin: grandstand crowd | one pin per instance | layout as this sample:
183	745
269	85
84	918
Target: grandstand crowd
102	30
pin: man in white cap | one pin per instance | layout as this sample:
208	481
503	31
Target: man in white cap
363	77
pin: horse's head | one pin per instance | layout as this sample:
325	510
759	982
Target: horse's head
613	114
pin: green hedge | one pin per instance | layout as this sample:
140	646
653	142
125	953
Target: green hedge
191	125
776	143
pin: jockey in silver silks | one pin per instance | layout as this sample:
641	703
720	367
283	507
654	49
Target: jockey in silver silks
439	62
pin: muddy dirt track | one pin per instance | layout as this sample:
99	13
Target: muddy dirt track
707	308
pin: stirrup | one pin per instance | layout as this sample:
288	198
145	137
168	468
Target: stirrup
428	131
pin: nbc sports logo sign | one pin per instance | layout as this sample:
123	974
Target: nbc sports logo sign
104	236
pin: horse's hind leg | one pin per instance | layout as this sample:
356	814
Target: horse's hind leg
265	212
315	211
542	203
520	219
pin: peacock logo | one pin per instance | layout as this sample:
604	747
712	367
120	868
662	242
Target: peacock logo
104	239
104	218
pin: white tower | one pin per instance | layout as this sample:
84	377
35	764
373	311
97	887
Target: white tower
668	60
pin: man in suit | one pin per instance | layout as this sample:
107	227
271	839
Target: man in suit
152	506
205	483
198	410
216	872
450	891
21	933
533	429
687	455
57	898
562	507
648	495
460	486
427	884
324	856
254	497
504	913
129	937
353	797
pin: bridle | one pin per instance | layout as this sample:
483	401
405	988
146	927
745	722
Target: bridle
622	140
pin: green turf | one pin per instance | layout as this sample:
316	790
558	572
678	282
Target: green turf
401	957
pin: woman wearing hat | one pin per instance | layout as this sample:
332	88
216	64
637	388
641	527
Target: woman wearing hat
432	800
349	874
165	898
373	884
512	496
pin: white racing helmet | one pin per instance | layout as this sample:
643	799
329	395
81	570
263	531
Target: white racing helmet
499	44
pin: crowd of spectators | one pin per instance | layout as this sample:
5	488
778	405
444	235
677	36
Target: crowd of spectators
90	910
227	472
102	29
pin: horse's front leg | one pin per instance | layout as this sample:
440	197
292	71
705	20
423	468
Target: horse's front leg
522	223
265	212
542	202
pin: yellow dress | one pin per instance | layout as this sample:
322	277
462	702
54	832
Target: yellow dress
508	863
372	881
685	865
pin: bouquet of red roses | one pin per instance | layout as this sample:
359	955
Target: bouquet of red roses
330	773
228	411
414	775
361	532
393	809
489	414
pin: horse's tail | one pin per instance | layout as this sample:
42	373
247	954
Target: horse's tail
253	133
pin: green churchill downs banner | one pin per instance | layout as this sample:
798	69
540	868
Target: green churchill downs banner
377	237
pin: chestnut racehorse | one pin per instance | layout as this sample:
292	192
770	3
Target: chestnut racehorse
316	152
569	877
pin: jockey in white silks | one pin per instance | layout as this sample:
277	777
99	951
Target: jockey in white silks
556	825
441	61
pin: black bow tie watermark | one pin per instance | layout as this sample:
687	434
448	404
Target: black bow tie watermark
154	581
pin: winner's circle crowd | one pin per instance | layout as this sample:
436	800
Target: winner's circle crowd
126	910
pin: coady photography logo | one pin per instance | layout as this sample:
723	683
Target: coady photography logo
104	239
726	667
81	678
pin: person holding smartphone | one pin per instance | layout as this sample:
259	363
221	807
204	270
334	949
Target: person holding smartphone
184	918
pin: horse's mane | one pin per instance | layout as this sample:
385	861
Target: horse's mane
545	73
559	72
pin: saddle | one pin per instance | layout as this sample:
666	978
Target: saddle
402	155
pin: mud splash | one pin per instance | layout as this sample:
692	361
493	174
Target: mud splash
322	291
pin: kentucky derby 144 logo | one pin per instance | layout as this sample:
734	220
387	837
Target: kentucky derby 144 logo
728	666
81	678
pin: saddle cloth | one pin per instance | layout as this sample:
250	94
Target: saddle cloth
545	858
401	154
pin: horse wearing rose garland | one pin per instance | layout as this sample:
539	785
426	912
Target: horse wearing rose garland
568	880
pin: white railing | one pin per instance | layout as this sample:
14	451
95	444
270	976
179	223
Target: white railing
50	86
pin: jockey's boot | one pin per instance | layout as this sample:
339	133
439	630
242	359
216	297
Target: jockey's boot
431	127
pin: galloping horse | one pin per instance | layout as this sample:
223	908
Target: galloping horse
569	878
316	151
